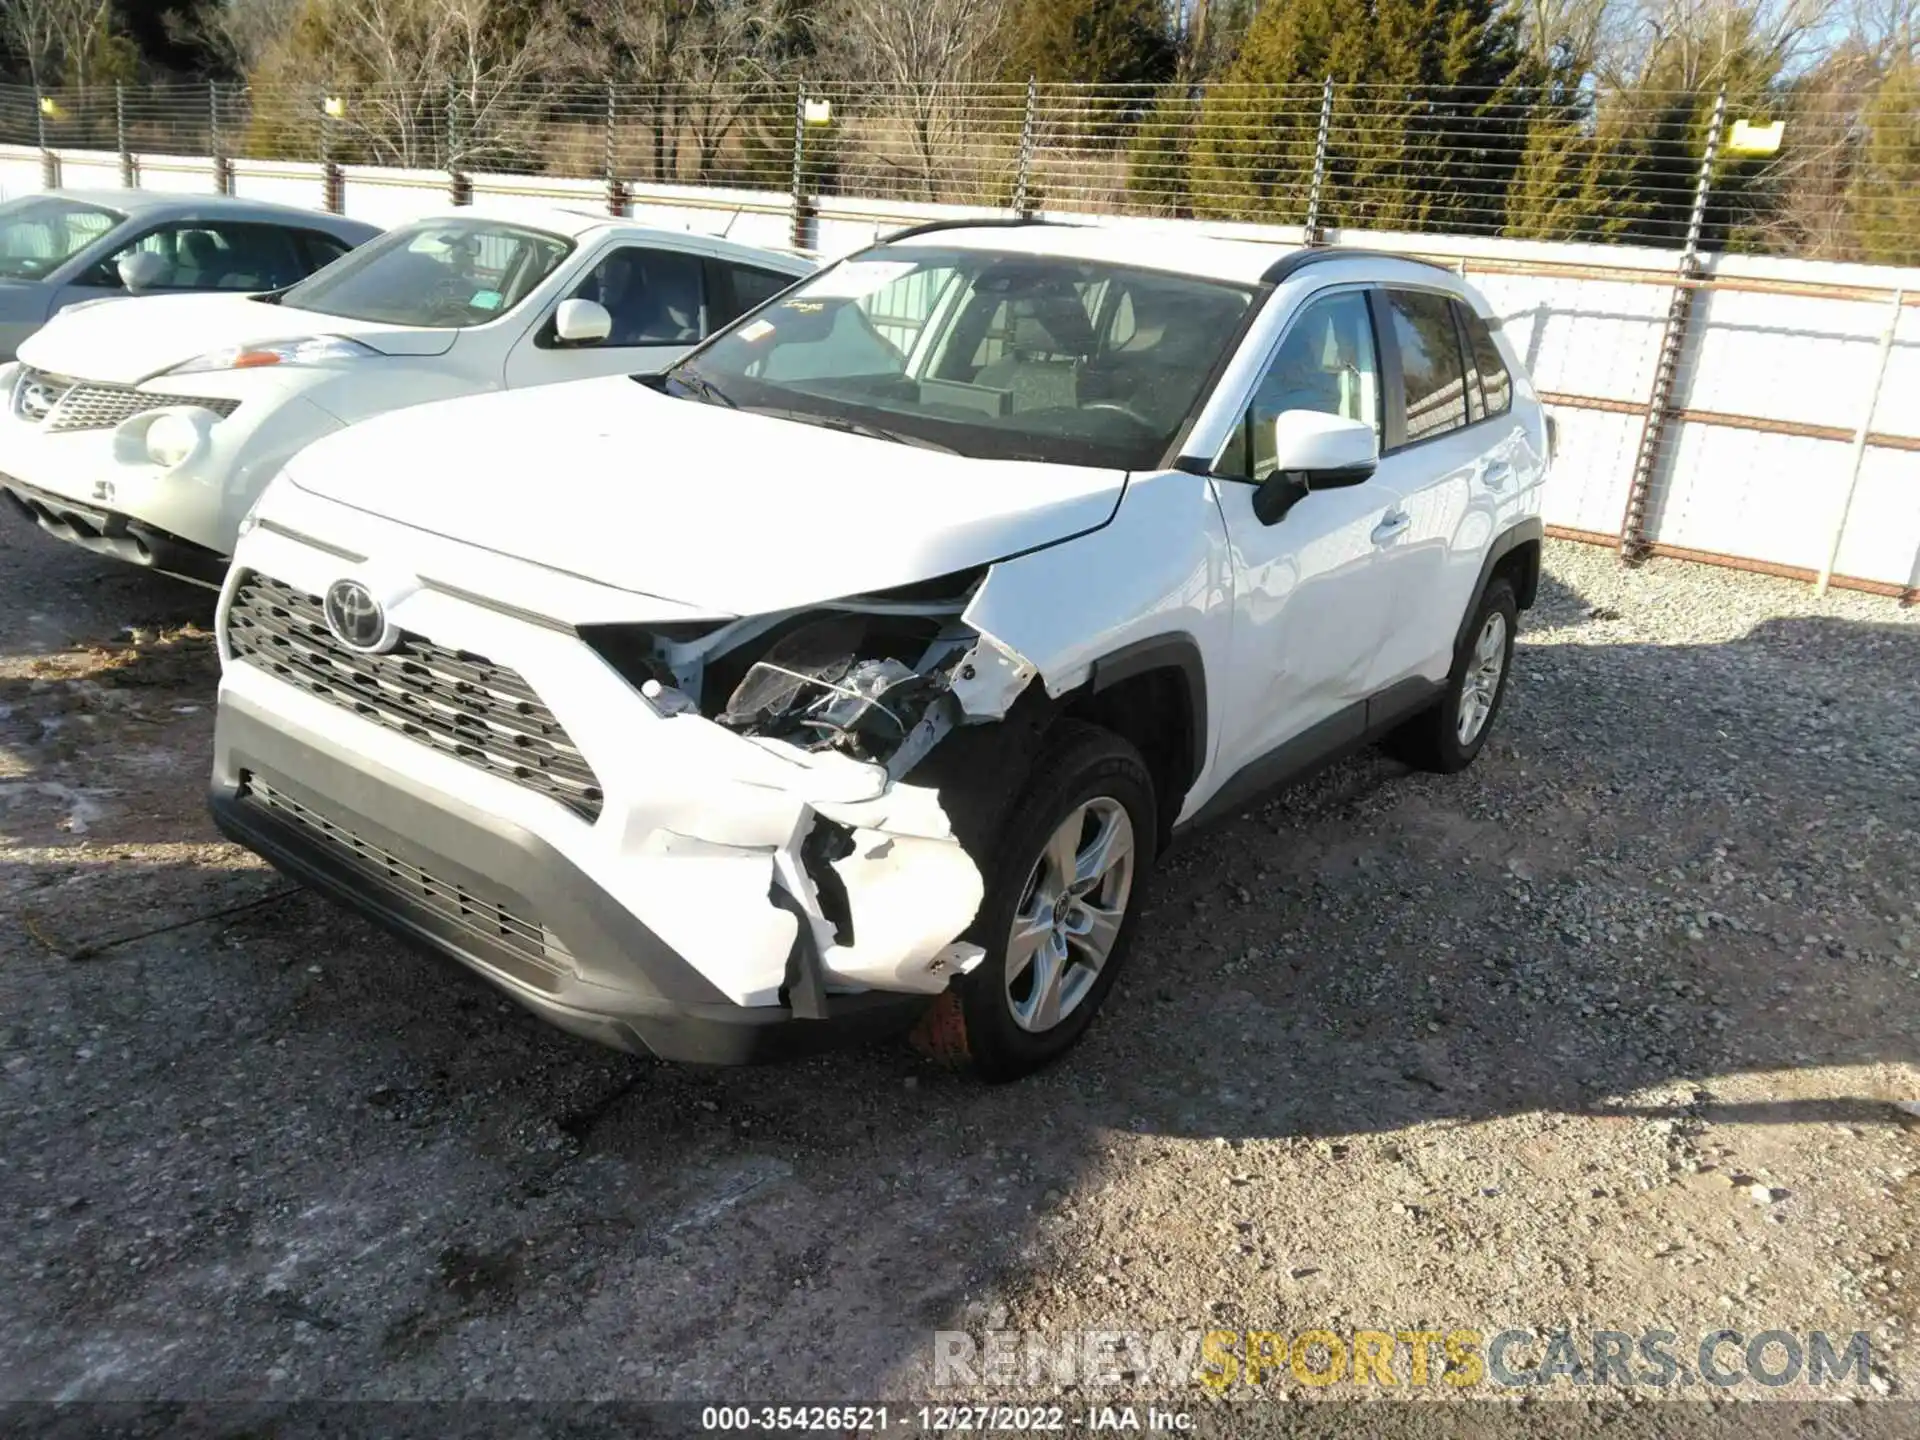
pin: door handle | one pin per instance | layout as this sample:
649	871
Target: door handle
1494	474
1390	526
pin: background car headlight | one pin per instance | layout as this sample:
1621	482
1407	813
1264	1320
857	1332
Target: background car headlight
304	350
173	437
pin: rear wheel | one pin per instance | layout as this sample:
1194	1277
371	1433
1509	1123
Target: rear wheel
1446	737
1063	883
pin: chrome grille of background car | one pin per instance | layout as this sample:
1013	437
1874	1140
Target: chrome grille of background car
459	703
486	920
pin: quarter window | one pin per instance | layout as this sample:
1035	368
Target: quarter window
1435	383
1326	363
1487	372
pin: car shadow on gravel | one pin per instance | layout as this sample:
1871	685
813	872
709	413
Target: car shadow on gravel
390	1181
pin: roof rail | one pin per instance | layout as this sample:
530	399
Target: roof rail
1297	260
991	222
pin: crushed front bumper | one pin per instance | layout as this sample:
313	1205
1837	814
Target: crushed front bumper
480	889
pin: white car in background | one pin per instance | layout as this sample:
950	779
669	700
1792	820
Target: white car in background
146	431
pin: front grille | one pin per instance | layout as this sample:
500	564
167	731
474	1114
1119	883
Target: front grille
35	393
87	406
459	703
478	918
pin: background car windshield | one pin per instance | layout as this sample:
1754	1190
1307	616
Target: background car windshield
38	232
990	354
447	274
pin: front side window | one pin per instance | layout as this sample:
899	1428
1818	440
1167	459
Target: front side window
1325	363
656	297
990	354
733	290
1436	385
40	232
207	255
445	274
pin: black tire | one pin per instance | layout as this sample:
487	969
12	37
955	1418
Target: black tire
1078	765
1431	739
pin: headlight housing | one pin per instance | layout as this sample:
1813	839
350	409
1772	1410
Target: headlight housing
302	350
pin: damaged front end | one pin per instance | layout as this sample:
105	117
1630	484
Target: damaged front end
894	711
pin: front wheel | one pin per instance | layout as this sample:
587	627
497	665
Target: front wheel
1446	737
1064	880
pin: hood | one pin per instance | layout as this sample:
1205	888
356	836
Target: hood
728	512
134	337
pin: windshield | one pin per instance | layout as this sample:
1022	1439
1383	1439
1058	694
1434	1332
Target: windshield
990	354
38	232
447	274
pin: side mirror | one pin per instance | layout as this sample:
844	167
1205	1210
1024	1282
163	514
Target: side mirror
1313	451
581	322
142	270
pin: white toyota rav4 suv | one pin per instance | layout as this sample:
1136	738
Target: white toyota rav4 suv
853	670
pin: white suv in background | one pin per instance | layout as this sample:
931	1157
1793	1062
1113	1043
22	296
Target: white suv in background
855	669
145	431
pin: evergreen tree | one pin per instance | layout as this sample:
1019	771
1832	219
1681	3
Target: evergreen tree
1406	152
1886	187
1090	42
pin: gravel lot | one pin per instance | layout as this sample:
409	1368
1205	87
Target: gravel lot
1609	1033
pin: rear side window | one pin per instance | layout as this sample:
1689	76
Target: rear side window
1435	382
320	249
733	290
1488	382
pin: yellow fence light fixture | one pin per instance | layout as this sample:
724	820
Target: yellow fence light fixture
49	107
1749	138
818	112
334	107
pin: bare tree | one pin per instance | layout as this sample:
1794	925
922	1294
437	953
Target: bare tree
64	42
240	32
911	57
697	68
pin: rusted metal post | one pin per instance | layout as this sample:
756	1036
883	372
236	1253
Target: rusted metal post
1673	339
217	143
801	217
1318	187
49	164
459	183
333	181
120	135
1023	174
610	167
1859	451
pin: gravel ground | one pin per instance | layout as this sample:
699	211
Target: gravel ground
1609	1033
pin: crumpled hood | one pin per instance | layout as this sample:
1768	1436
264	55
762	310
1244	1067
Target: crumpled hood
129	338
729	512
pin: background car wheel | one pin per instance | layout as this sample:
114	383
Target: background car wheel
1446	737
1064	881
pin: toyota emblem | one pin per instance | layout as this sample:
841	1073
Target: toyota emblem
357	620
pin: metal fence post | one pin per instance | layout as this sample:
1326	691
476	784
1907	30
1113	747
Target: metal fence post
1673	339
459	183
1313	235
49	166
216	142
801	225
1859	449
1024	173
333	182
120	135
616	192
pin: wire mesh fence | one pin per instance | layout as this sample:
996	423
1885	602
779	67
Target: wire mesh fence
1582	166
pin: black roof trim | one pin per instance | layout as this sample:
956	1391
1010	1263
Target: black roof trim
1004	222
1291	264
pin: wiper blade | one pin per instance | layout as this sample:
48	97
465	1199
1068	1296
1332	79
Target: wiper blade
853	427
702	388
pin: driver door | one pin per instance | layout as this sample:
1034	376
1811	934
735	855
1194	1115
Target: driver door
1311	598
658	302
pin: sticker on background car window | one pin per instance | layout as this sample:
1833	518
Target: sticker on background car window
758	330
854	278
485	300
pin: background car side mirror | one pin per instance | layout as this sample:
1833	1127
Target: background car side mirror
581	322
1313	451
142	270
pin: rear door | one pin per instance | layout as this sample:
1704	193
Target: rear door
1434	468
1311	602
